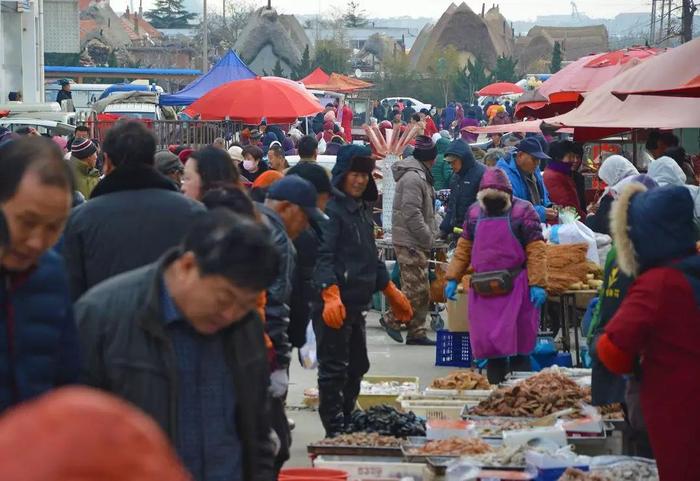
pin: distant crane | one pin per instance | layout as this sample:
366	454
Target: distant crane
574	12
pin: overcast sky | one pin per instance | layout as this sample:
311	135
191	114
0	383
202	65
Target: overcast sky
512	9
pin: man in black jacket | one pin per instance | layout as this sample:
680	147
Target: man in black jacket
134	215
288	208
180	339
348	272
464	184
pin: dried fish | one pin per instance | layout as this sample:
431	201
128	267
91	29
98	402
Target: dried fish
462	380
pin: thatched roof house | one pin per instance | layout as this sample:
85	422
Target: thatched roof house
269	37
470	34
536	47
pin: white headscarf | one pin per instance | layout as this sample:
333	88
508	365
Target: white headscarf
666	171
614	170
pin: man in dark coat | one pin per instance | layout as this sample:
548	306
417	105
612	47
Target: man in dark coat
64	93
180	338
348	273
288	208
134	215
38	339
464	184
306	246
408	112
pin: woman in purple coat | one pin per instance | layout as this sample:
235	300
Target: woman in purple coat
502	238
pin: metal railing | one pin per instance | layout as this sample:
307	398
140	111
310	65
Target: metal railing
191	133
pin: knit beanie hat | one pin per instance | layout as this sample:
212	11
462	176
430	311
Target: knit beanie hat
425	149
82	148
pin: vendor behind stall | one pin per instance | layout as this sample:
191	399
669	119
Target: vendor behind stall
502	240
348	272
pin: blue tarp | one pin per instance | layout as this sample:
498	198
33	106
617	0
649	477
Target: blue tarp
228	69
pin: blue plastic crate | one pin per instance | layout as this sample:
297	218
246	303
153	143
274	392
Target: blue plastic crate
453	349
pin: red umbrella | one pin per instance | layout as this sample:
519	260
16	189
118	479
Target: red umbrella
690	89
276	99
500	88
562	91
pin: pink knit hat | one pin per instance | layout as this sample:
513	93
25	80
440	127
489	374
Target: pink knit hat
495	178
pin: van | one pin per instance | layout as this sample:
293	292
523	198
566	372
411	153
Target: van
84	95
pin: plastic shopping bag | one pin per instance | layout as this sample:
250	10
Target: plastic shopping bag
307	352
575	233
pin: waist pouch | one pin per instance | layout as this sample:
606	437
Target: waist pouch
494	283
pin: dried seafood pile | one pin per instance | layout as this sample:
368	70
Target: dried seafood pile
463	380
370	440
452	447
494	427
630	471
539	395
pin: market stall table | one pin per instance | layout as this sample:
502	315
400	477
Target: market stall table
570	302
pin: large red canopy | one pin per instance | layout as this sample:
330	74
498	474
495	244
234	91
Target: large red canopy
602	113
318	76
278	100
562	91
339	83
690	89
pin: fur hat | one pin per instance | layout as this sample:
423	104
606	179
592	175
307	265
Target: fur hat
494	183
652	227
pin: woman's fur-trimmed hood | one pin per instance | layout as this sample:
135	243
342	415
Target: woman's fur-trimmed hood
652	227
490	193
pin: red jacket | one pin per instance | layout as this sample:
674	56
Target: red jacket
659	321
562	190
430	128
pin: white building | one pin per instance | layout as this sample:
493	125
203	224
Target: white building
23	38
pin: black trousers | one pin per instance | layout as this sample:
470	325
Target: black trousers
342	361
498	368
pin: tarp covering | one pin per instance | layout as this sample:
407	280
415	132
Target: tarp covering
340	83
601	110
529	126
562	90
690	89
228	69
317	77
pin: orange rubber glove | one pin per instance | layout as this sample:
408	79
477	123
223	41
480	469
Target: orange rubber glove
403	312
333	308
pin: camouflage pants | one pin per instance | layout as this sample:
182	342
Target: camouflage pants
413	264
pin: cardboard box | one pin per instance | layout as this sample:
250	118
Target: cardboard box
457	316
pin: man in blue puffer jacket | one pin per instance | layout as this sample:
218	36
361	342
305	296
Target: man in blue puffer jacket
522	168
38	339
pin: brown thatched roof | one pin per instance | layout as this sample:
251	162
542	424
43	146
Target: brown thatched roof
268	37
381	46
576	42
421	42
469	33
500	32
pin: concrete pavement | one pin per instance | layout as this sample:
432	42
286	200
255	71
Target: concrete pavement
386	358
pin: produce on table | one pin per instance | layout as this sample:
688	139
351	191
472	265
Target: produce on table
370	440
536	396
612	412
494	427
452	447
388	421
622	471
388	387
463	380
566	265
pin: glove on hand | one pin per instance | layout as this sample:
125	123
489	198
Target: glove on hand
403	312
537	296
279	383
451	290
333	308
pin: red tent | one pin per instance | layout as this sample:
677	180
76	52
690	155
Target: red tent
529	126
690	89
602	113
562	91
318	76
